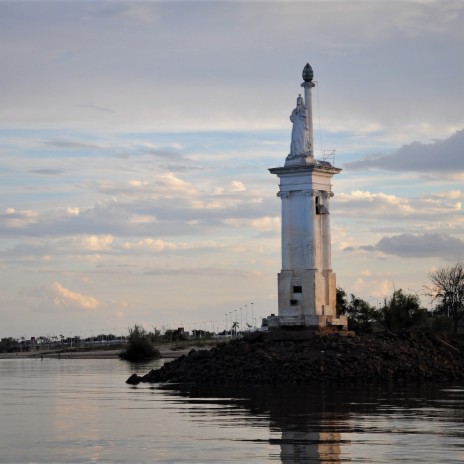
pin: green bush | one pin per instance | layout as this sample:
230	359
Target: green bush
139	346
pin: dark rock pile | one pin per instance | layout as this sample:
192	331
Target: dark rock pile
384	357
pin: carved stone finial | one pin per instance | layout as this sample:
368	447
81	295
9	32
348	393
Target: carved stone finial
308	73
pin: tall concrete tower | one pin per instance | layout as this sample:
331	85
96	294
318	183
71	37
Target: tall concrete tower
306	283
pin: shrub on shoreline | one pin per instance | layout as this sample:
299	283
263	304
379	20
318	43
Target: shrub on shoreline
139	347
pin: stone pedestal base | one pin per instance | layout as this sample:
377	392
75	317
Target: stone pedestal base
282	322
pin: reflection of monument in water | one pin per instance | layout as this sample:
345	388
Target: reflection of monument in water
307	424
306	283
318	446
311	429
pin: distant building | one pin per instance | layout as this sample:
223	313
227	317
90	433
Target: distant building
306	283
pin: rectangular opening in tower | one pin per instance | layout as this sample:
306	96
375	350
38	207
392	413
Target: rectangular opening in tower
320	208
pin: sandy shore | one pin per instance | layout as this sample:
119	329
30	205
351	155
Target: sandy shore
165	351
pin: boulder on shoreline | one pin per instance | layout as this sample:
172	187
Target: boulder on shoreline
336	357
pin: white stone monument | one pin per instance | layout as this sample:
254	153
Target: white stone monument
306	283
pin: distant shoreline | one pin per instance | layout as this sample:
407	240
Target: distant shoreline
165	352
59	354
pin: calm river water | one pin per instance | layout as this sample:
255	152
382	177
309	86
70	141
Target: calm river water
71	410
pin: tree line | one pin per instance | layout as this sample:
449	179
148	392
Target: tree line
404	311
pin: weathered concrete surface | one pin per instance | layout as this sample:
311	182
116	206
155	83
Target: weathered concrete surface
379	358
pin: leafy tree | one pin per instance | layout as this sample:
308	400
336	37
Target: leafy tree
9	344
448	289
155	335
341	302
170	335
361	315
403	311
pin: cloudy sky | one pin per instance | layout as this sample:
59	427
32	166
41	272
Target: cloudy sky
135	139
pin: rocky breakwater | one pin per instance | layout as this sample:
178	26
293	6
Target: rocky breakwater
258	359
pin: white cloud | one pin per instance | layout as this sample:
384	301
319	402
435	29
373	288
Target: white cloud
137	183
170	183
153	244
73	211
237	186
67	299
378	203
13	219
263	224
437	210
450	194
266	224
96	242
142	219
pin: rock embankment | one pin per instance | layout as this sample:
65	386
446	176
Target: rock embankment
321	358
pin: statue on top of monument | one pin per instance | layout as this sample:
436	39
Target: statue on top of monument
300	145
